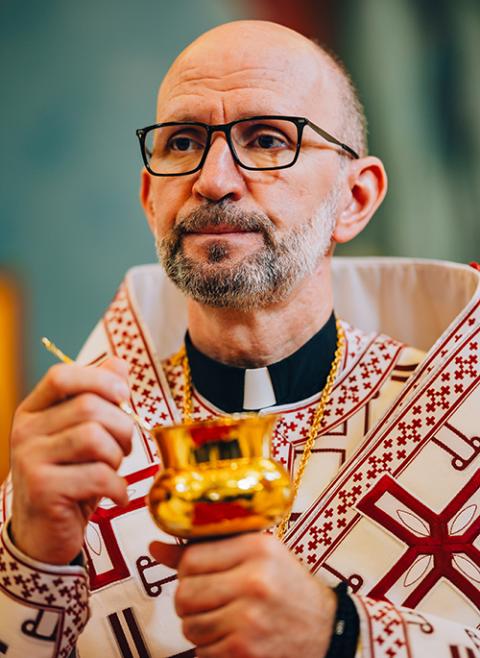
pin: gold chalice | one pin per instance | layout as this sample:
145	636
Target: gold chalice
218	478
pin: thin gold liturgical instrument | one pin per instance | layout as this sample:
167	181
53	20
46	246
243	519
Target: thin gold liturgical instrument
124	406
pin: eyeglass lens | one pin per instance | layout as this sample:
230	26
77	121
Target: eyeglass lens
258	143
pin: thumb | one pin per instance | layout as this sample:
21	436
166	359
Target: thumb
167	554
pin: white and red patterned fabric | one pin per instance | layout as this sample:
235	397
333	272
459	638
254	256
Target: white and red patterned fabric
389	501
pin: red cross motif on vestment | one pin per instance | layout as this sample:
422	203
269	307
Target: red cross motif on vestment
439	545
102	518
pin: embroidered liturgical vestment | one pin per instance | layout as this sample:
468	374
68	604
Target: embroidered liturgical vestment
389	501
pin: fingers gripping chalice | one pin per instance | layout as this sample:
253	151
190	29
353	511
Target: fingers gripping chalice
218	478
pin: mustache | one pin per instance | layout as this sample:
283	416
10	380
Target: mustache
225	214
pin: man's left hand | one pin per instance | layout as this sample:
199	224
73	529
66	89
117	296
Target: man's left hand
248	596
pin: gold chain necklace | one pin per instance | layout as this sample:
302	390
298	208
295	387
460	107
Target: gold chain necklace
187	410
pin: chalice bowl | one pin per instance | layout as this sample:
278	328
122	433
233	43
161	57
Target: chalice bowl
218	478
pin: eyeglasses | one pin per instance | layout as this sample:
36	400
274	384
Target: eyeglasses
258	143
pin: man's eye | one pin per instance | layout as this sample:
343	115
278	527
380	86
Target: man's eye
183	143
267	142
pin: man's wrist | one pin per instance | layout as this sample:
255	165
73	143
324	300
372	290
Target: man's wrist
78	561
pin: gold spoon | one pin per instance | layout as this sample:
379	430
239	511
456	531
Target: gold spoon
124	406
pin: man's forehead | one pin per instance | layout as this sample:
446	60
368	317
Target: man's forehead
269	76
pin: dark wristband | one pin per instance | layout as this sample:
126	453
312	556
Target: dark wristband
346	626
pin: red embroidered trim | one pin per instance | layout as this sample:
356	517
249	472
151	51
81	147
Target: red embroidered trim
127	341
65	594
324	525
386	634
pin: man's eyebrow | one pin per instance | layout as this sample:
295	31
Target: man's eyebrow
188	116
181	116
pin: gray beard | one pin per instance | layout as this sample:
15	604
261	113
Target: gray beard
267	276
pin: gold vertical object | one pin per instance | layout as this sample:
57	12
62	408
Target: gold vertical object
10	363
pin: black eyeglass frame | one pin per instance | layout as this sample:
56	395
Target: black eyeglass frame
225	128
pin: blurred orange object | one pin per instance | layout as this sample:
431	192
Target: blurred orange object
10	361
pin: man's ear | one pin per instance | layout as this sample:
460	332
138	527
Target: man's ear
146	198
367	183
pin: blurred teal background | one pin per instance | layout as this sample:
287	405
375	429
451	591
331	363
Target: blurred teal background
78	78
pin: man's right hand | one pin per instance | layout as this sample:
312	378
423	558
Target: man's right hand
68	440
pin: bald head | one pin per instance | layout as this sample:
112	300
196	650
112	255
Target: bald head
271	50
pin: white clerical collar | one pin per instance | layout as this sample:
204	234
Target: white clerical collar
258	390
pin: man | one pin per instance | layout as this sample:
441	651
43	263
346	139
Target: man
246	199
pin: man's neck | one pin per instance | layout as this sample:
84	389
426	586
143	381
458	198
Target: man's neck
260	337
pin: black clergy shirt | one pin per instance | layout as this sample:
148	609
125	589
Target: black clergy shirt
295	378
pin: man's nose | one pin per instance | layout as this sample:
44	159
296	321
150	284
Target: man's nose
219	177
